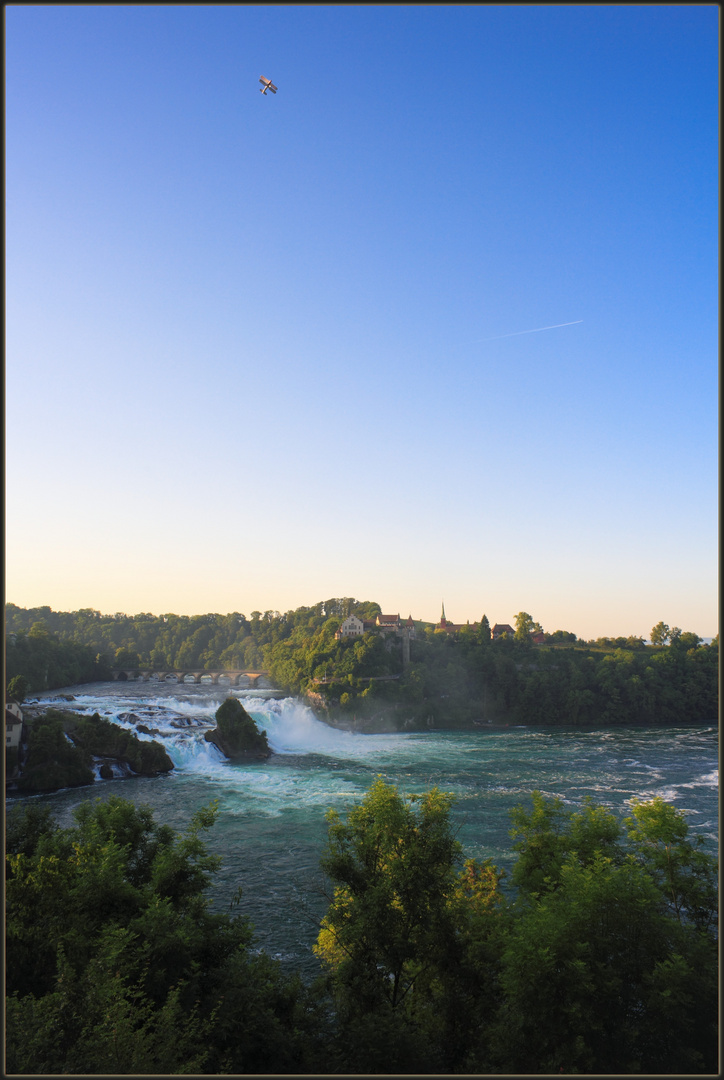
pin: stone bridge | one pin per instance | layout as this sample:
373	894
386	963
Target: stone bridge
162	675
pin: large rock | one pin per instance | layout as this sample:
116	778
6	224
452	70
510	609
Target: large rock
236	735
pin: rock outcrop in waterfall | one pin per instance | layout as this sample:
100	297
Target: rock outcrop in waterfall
236	735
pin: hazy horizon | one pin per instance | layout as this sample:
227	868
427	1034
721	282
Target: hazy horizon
385	611
437	321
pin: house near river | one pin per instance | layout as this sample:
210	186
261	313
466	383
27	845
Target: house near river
13	725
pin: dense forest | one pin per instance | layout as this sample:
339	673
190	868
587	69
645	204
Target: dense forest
451	679
602	959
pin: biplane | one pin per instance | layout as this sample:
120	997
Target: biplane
268	85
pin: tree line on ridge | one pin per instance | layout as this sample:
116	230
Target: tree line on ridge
451	679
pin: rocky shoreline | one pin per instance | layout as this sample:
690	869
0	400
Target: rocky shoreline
60	748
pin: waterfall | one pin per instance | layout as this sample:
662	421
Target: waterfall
178	719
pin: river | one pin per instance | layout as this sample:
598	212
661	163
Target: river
271	826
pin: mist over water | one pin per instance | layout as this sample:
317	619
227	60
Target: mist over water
271	826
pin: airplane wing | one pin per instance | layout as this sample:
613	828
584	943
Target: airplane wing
267	82
272	87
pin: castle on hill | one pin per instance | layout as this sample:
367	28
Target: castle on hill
353	626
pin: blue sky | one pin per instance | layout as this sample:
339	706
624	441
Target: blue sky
264	350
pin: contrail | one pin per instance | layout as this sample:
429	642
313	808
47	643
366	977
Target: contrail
536	331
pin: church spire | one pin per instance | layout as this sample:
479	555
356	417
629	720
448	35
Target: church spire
443	620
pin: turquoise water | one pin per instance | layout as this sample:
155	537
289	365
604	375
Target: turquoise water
271	826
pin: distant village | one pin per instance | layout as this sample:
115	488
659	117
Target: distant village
353	626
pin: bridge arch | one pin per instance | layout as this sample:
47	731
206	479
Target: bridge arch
233	676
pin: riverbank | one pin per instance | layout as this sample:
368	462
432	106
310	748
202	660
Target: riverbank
62	748
369	719
400	719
